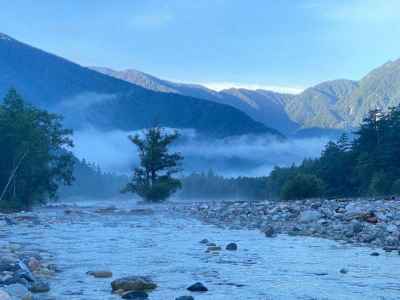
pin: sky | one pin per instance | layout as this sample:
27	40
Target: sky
284	45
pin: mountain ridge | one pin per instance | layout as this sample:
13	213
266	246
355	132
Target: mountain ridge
339	104
86	96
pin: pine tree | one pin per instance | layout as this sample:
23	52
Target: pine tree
153	179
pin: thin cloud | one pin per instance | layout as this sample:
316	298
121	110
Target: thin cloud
218	86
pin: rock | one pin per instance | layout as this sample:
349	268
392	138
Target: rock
344	271
39	286
204	241
391	228
4	295
100	274
390	248
375	254
232	247
268	231
214	248
185	298
135	295
18	291
309	216
211	244
197	287
106	210
33	264
141	211
356	227
133	283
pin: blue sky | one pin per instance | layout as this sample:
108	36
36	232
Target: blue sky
255	43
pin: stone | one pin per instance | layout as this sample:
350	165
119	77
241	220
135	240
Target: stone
135	295
356	227
106	210
39	286
4	295
375	254
33	264
213	248
268	231
18	291
231	247
185	298
211	244
344	271
100	274
309	216
197	287
204	241
133	283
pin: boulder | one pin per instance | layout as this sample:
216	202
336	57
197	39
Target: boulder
18	291
213	248
231	247
33	264
268	231
4	295
39	286
185	298
309	216
197	287
135	295
204	241
133	283
100	274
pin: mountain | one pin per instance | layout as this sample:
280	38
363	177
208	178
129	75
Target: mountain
318	106
339	105
263	106
85	97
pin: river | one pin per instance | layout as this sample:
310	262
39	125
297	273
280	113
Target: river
166	247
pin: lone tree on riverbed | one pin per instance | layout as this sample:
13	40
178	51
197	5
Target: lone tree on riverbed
153	179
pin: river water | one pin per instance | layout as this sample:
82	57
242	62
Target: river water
167	248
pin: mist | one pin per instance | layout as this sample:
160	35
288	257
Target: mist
231	157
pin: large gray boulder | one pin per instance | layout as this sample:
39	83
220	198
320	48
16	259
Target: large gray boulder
4	295
133	283
309	216
18	291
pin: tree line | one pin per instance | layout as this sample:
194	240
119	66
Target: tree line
367	164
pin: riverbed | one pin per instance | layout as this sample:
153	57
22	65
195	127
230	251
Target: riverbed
166	247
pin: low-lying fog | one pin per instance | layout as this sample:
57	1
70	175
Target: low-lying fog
236	156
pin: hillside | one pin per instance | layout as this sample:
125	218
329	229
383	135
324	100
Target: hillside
338	104
87	97
263	106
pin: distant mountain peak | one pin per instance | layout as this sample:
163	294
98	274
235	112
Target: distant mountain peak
4	36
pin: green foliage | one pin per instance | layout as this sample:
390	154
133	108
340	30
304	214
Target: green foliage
212	186
153	180
368	165
302	186
396	187
379	185
34	154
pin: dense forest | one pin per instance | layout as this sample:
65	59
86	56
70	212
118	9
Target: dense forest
212	186
366	165
91	182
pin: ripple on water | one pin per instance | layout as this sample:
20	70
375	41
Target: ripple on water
168	249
